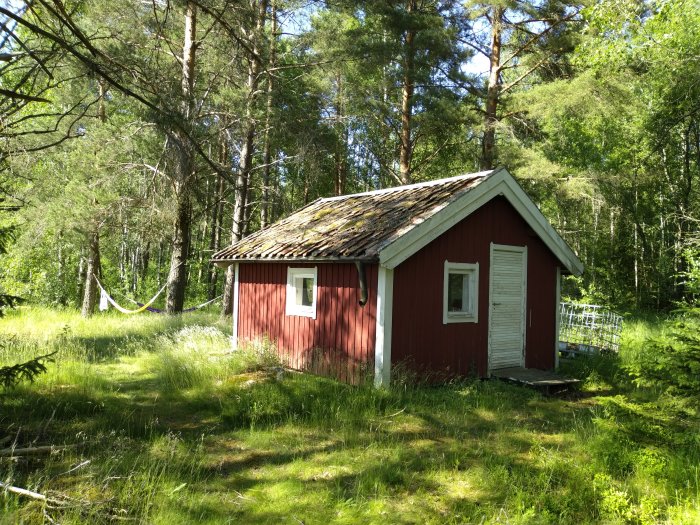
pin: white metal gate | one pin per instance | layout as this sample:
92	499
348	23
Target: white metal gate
508	281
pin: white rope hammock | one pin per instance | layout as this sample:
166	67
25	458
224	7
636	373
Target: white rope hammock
121	308
105	298
186	310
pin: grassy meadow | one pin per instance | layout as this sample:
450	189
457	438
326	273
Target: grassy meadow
161	423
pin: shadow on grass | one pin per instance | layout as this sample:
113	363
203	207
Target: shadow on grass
311	449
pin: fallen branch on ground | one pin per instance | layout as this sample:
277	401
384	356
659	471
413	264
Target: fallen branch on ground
36	451
395	413
23	492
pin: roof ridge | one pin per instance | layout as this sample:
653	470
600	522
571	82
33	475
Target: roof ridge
425	184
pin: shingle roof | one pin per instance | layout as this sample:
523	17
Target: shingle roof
351	227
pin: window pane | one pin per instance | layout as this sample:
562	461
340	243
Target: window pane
460	299
456	292
307	298
304	287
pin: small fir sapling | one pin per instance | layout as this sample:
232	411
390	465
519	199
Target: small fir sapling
11	375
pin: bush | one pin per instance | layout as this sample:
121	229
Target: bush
672	363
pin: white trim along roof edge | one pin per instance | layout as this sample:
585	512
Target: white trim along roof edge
397	250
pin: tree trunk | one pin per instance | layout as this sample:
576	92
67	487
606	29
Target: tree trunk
145	259
218	219
93	270
82	274
408	86
60	272
488	144
247	149
177	277
159	271
341	161
204	231
267	148
183	172
93	266
215	239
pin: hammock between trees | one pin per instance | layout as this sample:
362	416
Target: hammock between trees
106	298
191	309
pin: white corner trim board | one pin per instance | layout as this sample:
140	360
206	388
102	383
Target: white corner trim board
557	317
234	337
500	183
382	344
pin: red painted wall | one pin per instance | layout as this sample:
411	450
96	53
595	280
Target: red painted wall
339	342
423	342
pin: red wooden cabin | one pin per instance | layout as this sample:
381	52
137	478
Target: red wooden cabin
456	276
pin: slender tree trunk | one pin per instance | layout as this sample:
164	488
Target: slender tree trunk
93	270
215	239
183	172
267	148
684	216
123	251
488	145
341	161
82	273
60	274
246	159
145	260
135	257
202	254
218	219
407	89
160	264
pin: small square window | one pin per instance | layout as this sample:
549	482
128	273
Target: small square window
460	299
301	292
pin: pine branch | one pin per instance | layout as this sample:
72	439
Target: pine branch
10	376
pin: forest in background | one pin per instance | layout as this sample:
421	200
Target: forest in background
136	138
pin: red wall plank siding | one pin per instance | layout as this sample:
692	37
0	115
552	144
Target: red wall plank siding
339	342
419	337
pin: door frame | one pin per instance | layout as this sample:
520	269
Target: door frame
523	307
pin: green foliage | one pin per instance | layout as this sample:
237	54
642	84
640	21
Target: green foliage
672	363
10	376
177	427
6	300
602	131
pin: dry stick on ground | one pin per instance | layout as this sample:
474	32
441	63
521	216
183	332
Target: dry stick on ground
23	492
55	503
36	451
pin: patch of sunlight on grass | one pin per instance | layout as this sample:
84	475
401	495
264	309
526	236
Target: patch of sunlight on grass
404	424
487	415
458	485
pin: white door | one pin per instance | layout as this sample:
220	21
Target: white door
507	309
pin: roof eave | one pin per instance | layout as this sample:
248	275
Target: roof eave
225	263
499	183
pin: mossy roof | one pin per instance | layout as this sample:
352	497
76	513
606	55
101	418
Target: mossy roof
351	227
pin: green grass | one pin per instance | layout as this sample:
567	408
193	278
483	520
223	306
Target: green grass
173	428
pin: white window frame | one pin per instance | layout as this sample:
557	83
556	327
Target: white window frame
291	307
472	270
